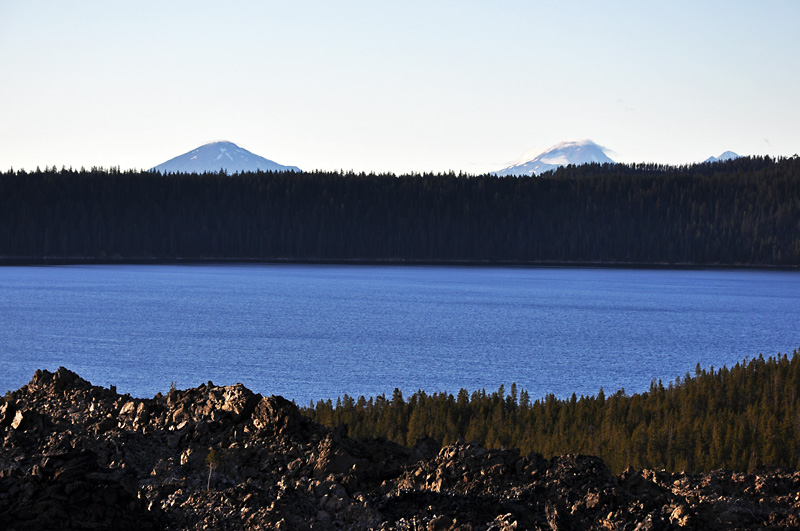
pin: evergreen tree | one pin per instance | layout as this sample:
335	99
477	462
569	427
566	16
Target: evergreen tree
737	418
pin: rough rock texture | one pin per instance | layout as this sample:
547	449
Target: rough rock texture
75	456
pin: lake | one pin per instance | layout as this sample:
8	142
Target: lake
320	331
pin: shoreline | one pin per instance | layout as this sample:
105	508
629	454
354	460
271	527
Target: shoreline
77	260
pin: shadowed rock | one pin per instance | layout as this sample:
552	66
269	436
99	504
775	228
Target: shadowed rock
77	456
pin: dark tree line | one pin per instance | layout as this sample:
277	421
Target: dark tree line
745	211
739	418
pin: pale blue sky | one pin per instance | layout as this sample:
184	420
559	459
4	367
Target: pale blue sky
401	86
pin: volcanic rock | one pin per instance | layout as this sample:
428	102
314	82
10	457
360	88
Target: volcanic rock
77	456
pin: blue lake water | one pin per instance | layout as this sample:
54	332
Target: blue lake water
319	331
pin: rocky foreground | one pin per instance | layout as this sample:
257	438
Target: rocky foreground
76	456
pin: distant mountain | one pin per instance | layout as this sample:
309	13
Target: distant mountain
220	155
728	155
573	152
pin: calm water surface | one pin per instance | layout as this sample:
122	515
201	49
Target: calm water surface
315	331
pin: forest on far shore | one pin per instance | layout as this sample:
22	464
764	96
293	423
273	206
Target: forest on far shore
738	418
739	212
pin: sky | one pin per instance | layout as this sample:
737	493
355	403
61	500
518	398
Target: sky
409	86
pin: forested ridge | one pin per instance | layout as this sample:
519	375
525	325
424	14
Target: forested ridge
745	211
740	418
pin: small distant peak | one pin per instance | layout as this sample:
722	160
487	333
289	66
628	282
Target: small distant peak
728	155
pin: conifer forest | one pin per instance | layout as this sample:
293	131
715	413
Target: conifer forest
739	212
738	418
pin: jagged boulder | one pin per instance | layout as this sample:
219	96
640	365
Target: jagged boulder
237	400
277	416
58	381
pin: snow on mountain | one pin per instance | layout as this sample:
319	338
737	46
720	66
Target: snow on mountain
728	155
220	155
572	152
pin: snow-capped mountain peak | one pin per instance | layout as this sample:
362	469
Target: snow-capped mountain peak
728	155
564	153
221	155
